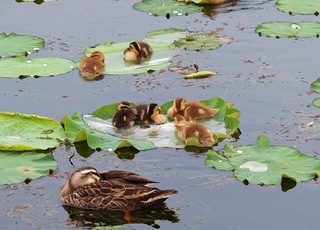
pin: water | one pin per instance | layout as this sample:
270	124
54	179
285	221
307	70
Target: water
267	79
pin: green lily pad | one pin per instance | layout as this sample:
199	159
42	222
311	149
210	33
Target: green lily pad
166	8
264	164
17	45
98	131
77	130
299	7
316	102
16	167
204	1
116	65
19	132
289	29
22	66
167	36
316	85
197	42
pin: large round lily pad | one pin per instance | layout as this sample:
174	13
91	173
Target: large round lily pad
316	87
264	164
19	132
166	8
17	45
299	7
16	167
22	66
289	29
98	131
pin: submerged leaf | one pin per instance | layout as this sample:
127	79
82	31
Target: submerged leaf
17	45
20	132
200	74
22	66
289	29
265	164
17	167
299	7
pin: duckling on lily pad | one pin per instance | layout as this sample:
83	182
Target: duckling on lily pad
93	65
137	51
149	114
190	110
87	188
187	129
125	116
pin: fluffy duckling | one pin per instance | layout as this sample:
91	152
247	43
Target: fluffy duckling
125	116
115	190
149	114
188	129
190	110
137	51
92	65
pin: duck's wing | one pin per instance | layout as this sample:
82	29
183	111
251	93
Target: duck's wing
125	176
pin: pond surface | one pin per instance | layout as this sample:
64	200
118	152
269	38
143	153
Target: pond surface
267	79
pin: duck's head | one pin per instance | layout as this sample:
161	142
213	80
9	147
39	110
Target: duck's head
83	176
179	121
156	114
98	55
178	104
132	53
124	105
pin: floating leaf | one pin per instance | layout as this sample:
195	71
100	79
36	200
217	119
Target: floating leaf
204	1
22	66
299	7
316	102
115	64
200	74
166	8
20	132
289	29
265	164
316	85
167	36
17	45
197	42
16	167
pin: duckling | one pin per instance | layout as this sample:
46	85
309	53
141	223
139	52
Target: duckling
92	65
137	51
149	114
125	116
86	188
190	110
188	129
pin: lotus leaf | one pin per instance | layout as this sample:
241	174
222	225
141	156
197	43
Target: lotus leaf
316	85
299	7
19	132
264	164
17	45
115	63
166	8
289	29
16	167
22	66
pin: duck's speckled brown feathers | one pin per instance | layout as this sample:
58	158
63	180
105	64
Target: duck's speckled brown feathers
149	114
124	117
92	65
112	191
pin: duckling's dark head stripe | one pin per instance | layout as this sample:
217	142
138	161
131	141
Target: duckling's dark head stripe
152	108
136	46
124	105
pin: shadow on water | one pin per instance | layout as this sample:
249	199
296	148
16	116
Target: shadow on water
92	218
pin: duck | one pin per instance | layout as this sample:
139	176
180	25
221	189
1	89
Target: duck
86	188
92	65
190	110
186	129
125	116
137	51
149	114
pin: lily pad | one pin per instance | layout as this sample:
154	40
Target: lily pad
289	29
17	45
199	42
116	65
264	164
299	7
19	132
22	66
16	167
166	8
316	85
204	1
